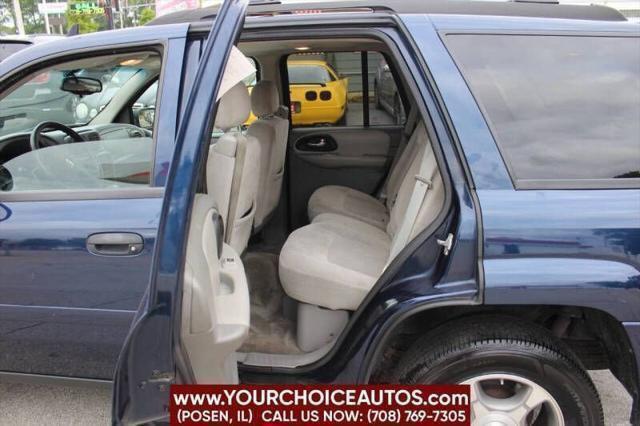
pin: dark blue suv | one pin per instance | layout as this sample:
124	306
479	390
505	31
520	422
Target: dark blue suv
490	236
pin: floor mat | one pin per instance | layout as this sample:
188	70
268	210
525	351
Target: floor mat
271	331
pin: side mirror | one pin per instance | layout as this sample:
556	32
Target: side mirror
81	86
386	68
145	117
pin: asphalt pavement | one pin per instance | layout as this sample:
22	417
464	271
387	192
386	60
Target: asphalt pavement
28	404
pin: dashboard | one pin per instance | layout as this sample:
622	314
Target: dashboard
112	156
16	144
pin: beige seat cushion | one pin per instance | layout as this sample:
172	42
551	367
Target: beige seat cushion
232	168
353	203
333	262
350	203
336	260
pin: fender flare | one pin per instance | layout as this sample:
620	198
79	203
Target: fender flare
373	355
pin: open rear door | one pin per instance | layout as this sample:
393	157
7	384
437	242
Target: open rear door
156	354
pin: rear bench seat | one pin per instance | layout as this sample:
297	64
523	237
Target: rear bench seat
353	203
335	261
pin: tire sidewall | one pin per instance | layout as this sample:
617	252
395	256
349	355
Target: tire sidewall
552	375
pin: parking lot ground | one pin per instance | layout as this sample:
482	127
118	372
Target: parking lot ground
376	116
29	404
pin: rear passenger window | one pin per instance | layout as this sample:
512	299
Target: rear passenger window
343	89
563	109
386	104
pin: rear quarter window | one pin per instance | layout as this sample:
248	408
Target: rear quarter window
564	110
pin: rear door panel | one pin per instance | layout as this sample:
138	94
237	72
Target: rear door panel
356	157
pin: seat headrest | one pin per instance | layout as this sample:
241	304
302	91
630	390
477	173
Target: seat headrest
234	108
265	99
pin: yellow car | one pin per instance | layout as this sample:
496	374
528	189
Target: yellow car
318	95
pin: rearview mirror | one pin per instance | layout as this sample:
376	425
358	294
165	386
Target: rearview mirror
81	86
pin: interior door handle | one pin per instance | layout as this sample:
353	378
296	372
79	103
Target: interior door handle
321	143
115	243
316	143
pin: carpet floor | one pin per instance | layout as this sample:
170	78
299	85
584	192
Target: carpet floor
272	331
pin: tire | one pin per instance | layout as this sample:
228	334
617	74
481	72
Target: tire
484	349
343	120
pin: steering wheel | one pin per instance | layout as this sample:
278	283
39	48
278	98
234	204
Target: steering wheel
35	140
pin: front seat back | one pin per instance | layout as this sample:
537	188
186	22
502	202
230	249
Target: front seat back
232	168
271	130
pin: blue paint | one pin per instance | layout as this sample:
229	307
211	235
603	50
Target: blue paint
571	247
59	304
5	212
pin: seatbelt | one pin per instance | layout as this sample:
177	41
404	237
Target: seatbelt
234	191
420	189
409	127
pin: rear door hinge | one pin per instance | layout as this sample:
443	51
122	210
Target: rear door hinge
446	244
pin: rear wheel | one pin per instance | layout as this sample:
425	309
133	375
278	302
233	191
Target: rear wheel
518	373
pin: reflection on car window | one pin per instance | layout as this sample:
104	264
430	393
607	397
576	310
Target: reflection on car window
558	104
41	98
73	153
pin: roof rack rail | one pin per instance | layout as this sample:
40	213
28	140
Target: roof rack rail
537	1
263	2
521	8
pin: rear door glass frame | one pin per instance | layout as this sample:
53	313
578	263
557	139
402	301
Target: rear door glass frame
363	71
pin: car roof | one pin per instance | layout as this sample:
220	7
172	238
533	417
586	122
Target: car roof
29	39
523	8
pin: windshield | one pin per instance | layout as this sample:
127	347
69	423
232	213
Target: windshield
23	108
308	74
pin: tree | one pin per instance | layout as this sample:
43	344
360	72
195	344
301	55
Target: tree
7	18
146	15
33	21
88	23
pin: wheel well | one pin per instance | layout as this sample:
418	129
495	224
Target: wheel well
596	338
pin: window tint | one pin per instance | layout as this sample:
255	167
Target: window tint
75	153
560	107
328	88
